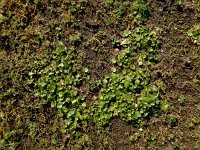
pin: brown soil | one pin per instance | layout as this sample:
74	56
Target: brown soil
178	68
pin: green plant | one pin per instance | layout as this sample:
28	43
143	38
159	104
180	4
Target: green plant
140	10
36	1
181	99
2	18
164	106
110	3
153	137
128	95
121	11
6	141
135	137
32	129
75	39
178	4
58	85
172	121
194	33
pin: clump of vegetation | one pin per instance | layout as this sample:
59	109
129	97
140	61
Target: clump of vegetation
194	33
140	10
172	121
128	95
59	84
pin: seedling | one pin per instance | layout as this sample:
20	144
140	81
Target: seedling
140	10
172	121
194	33
181	99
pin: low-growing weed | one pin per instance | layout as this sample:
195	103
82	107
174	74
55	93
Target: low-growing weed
58	85
194	33
172	121
181	99
127	95
140	10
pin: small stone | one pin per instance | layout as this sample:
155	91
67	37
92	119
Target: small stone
140	129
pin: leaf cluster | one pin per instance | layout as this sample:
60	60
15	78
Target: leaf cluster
128	95
194	33
140	10
58	85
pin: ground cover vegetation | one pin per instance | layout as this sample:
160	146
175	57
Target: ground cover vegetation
99	74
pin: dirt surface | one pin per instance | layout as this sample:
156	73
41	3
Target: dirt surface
36	126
